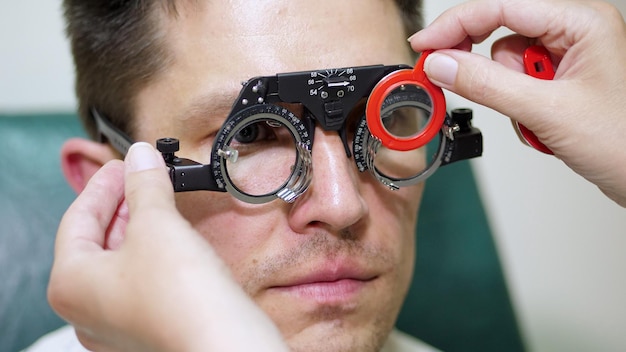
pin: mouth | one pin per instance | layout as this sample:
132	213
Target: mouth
331	285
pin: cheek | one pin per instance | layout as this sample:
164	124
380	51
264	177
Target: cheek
403	212
393	219
238	232
396	210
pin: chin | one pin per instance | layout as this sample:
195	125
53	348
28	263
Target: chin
334	336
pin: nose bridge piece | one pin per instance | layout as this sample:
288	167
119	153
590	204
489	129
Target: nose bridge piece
310	119
334	119
344	139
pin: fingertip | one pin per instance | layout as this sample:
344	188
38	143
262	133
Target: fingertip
421	40
142	156
147	181
441	69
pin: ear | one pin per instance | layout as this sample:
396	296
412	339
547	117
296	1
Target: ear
81	158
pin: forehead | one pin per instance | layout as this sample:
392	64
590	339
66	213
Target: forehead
283	34
219	43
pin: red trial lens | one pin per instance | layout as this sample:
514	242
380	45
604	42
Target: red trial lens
537	64
405	110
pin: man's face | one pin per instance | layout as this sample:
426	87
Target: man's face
332	268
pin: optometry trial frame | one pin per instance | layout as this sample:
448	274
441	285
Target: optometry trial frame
263	150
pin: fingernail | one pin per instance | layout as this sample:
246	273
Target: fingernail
441	69
141	156
414	35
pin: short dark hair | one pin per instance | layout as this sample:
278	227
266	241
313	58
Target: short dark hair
411	12
119	47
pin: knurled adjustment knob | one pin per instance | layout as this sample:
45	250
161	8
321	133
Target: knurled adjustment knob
463	117
168	145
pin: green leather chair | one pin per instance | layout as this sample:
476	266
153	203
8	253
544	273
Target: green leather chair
458	300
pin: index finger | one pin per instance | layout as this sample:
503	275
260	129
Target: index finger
476	20
84	225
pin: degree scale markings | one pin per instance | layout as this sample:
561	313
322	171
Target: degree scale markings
332	79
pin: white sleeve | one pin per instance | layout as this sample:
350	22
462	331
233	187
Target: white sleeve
61	340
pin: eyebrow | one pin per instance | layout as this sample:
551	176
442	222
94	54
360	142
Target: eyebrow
209	108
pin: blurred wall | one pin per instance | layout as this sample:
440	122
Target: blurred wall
562	242
36	72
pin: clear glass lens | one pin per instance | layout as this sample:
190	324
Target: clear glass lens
405	164
406	111
260	157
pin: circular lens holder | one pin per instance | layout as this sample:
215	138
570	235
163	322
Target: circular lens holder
385	87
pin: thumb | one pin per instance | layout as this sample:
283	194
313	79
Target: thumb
147	183
491	84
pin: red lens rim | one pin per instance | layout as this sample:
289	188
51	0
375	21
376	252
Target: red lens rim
415	77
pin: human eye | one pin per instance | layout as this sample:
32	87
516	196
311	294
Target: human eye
404	121
256	132
262	136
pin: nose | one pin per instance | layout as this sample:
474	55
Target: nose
333	200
